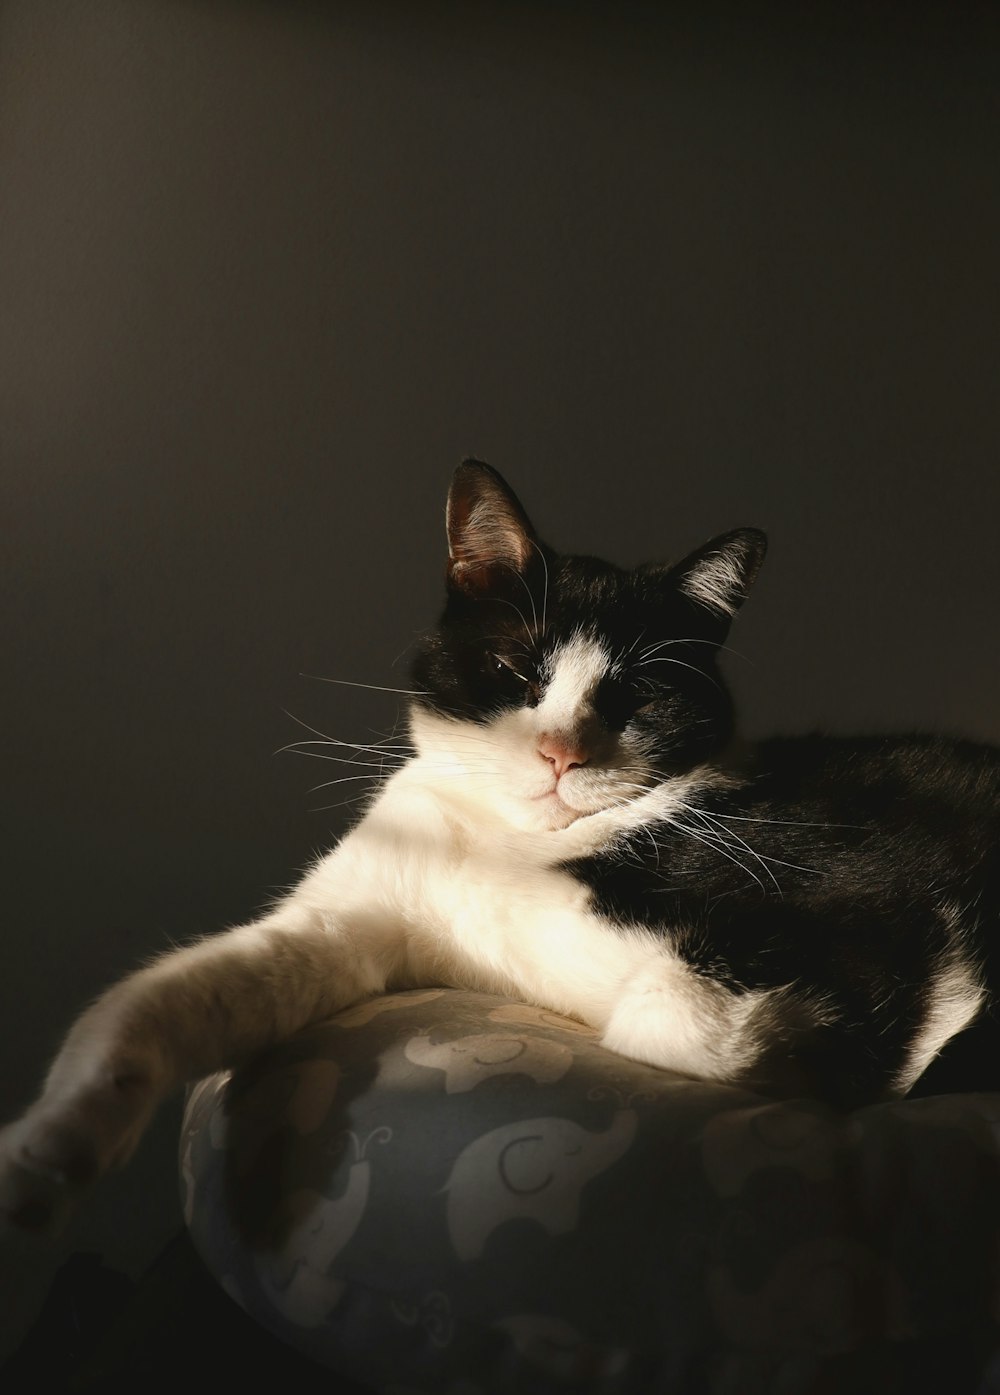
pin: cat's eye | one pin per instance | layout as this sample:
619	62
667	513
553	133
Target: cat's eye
501	665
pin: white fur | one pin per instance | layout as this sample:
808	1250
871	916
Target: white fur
576	668
957	995
484	905
717	582
454	877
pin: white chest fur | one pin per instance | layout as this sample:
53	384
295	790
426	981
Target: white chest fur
437	890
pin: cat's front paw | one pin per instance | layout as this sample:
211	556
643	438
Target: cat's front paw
46	1165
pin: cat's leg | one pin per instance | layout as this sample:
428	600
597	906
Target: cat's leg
670	1015
192	1012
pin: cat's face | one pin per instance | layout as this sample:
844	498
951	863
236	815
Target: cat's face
555	686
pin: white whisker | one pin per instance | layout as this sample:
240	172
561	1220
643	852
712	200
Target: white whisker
345	760
545	593
713	644
714	844
723	834
795	823
527	628
296	747
342	780
372	687
680	664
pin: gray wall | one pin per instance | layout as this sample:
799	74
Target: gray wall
269	271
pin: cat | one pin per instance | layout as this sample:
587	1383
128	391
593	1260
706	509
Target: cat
580	828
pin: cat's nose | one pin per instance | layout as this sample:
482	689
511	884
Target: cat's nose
562	755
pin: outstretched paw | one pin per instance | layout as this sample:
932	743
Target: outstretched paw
45	1167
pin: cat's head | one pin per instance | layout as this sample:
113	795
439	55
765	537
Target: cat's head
557	686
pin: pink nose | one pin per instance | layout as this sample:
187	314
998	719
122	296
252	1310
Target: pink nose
561	756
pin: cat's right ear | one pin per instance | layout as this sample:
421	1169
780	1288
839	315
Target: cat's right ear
719	574
489	534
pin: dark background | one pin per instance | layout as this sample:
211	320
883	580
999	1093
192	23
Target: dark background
268	271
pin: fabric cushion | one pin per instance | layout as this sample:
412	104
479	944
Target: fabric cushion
441	1191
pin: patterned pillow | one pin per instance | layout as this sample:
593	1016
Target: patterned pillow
440	1191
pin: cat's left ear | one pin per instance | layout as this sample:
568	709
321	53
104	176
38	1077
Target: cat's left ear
719	574
490	536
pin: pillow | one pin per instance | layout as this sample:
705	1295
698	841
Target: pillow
443	1191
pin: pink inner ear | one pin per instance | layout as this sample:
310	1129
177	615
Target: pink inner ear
490	539
484	556
488	531
481	574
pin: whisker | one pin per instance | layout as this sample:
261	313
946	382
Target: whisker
372	687
417	638
343	780
327	740
297	748
534	612
680	664
341	803
704	838
545	593
797	823
527	628
709	837
762	858
344	760
722	648
722	834
315	730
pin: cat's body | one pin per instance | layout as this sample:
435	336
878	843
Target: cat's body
578	828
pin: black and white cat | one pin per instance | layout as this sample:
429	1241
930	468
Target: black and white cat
579	829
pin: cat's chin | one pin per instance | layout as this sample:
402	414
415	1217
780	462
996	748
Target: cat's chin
544	814
556	814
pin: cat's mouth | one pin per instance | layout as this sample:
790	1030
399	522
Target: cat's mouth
565	806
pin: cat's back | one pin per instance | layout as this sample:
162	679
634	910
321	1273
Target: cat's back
910	779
